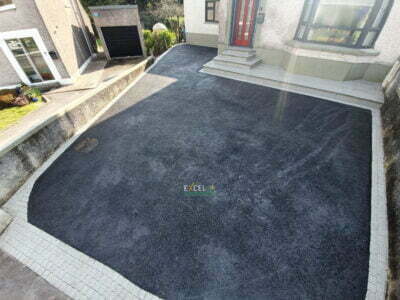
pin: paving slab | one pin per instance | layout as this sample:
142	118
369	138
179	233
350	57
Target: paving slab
19	282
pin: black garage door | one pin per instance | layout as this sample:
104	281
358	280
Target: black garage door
122	41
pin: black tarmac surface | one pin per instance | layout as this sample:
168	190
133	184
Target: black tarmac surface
290	214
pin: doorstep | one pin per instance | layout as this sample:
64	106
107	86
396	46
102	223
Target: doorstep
354	92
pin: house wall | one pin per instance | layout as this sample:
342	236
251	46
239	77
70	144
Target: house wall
65	30
8	76
198	31
24	16
274	43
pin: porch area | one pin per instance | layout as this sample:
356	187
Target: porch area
242	64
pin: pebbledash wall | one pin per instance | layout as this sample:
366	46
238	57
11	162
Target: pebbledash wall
55	23
274	42
62	21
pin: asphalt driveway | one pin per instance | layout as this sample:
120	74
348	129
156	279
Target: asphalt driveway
288	214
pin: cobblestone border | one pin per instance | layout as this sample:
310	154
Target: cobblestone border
82	277
379	238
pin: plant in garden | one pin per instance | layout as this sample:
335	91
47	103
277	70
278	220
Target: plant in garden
148	41
158	42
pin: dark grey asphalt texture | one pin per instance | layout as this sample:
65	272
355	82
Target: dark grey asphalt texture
290	216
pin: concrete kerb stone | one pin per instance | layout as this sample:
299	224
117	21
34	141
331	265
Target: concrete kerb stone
5	220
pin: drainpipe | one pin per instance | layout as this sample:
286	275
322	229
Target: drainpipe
79	18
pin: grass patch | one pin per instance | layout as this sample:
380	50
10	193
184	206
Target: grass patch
11	115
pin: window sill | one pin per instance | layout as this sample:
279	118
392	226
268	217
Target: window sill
7	7
212	23
333	49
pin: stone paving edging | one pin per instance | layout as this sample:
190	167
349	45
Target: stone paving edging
379	232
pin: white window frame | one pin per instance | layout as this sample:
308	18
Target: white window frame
33	33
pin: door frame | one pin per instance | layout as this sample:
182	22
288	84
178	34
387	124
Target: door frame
33	33
233	20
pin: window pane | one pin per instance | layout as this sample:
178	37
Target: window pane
301	32
29	45
381	13
210	15
28	69
334	36
41	66
340	13
30	59
5	2
329	35
369	39
343	22
307	11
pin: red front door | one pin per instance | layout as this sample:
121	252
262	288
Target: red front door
244	22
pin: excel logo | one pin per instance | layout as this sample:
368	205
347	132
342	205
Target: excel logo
196	189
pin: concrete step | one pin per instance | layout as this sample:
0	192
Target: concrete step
237	61
241	49
357	92
239	54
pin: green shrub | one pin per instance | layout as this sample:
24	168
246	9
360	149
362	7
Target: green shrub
32	92
148	40
163	40
158	42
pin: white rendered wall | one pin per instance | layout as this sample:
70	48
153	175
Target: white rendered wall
388	43
195	18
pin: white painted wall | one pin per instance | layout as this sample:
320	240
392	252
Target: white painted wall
281	20
195	18
388	43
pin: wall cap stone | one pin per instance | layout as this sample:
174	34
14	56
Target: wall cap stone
330	48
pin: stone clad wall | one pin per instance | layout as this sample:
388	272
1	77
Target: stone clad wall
391	132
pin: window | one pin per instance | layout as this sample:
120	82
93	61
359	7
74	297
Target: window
30	59
5	2
212	11
349	23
